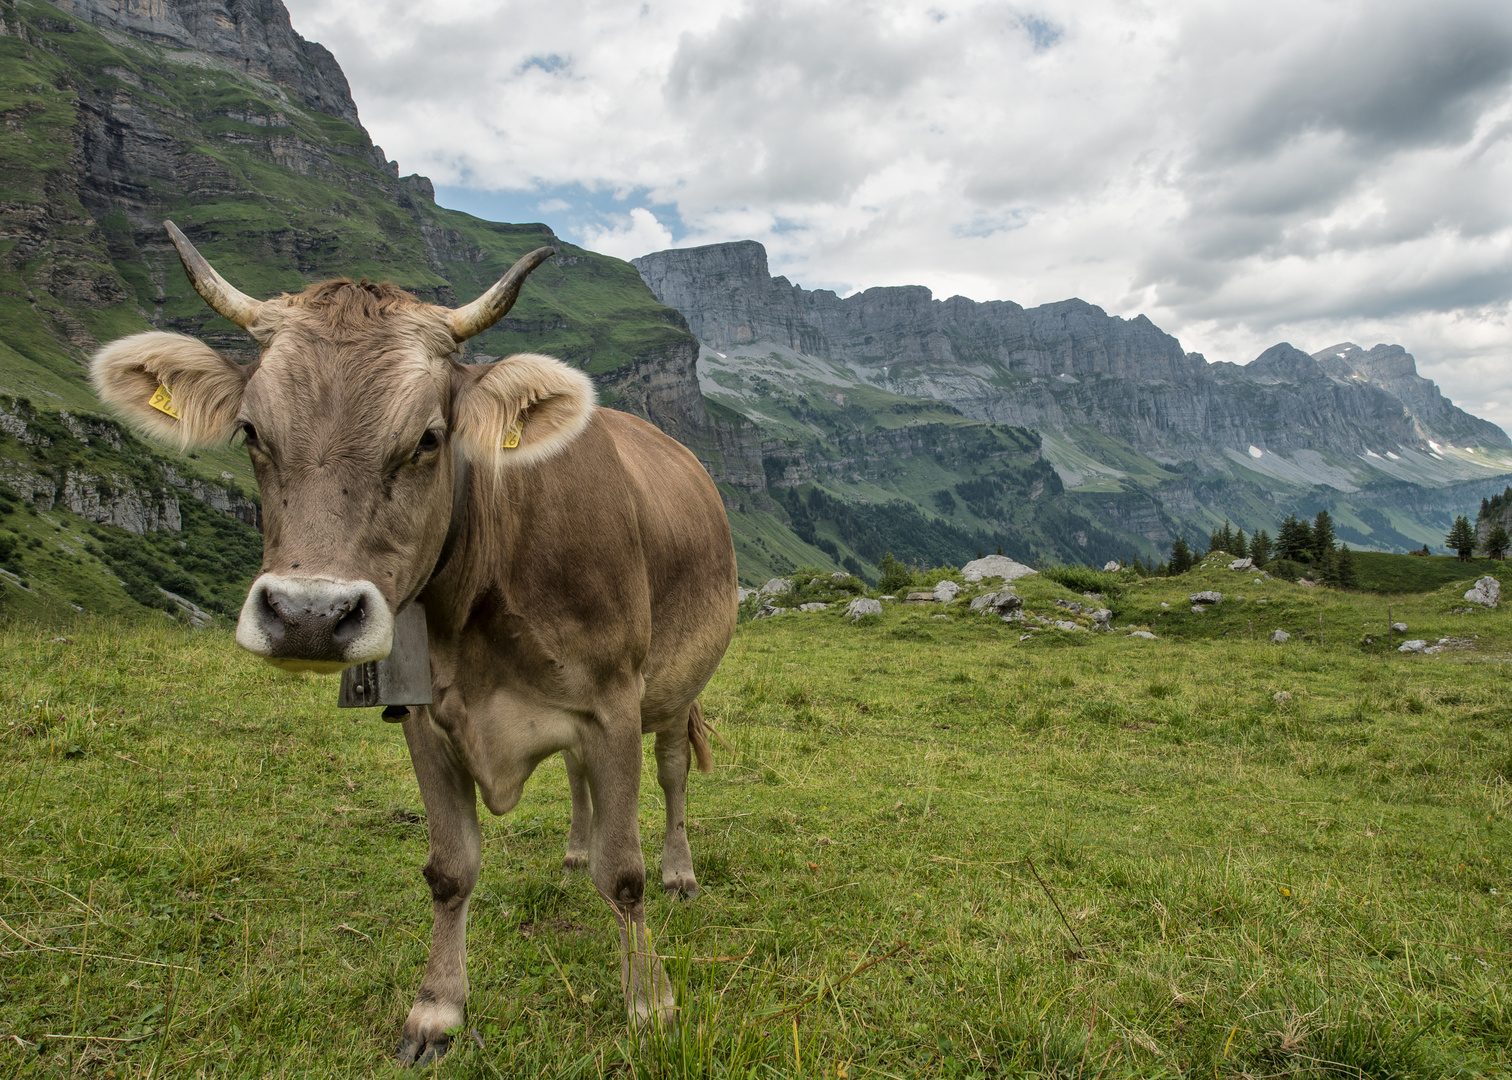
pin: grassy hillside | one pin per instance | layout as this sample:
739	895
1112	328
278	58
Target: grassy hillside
1386	573
930	848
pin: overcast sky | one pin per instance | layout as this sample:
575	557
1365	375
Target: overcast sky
1312	172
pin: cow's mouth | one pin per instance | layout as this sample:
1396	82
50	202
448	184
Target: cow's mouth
315	624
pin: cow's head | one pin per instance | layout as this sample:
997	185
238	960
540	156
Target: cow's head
352	415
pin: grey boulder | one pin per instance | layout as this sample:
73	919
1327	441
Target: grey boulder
776	587
1279	636
1487	592
1399	627
946	591
1141	634
861	607
997	603
999	566
1208	597
1417	645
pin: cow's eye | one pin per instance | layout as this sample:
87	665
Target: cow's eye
429	442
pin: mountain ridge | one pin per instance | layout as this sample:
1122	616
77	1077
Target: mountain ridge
1134	425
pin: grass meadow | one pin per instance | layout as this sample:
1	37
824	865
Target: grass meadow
929	848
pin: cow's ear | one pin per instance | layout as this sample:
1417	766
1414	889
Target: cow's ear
519	410
170	387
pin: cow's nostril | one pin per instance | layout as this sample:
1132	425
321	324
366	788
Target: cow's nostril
350	624
272	622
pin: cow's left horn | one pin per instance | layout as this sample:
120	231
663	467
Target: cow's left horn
493	305
230	302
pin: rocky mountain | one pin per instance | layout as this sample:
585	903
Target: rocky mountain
217	114
1149	439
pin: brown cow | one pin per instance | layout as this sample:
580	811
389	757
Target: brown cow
579	582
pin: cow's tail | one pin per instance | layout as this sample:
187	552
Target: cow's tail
698	737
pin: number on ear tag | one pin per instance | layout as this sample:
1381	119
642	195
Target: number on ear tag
162	401
512	436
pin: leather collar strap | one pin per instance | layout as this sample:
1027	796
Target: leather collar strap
453	527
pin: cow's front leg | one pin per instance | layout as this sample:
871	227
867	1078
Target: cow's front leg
672	760
582	814
612	757
456	852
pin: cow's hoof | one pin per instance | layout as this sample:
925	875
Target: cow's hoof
575	861
684	886
421	1051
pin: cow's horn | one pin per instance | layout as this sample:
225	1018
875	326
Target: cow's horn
233	304
493	305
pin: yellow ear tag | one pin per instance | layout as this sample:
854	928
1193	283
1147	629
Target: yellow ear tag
162	401
512	436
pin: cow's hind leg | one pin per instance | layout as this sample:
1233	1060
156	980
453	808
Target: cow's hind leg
612	758
582	814
456	853
672	760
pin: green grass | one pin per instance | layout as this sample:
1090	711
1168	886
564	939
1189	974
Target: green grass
1247	860
1384	573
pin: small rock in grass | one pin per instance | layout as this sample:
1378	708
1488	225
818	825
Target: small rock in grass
1487	592
1198	609
1062	624
812	607
997	603
768	610
1111	566
1279	636
1281	697
861	607
1399	627
946	591
1416	645
1207	597
1164	604
946	617
776	586
1141	634
1242	564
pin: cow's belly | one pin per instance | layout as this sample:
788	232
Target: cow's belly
503	737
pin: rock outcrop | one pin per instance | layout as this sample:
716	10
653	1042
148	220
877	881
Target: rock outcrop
251	37
1069	363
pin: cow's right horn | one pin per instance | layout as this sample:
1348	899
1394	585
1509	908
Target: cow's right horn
227	301
493	305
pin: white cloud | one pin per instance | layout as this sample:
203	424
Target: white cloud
639	233
1304	170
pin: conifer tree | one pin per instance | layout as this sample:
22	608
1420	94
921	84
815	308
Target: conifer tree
1322	535
1497	541
1461	538
1344	568
1295	539
1215	541
1241	545
1260	548
1181	557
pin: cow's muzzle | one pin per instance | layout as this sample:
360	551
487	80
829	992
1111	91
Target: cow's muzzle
315	624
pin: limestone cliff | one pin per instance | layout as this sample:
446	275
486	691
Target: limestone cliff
1067	364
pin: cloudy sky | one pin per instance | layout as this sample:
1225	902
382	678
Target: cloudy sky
1310	171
